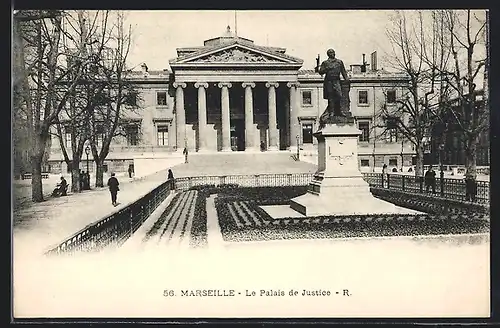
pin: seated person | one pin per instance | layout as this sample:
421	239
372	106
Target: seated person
61	188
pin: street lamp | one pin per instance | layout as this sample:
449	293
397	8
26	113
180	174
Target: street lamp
298	147
441	148
402	149
87	152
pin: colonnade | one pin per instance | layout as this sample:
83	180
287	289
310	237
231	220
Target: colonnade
225	87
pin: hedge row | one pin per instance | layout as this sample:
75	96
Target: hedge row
433	204
199	226
157	225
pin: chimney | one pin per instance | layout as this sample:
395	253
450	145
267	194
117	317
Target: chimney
374	61
363	65
144	68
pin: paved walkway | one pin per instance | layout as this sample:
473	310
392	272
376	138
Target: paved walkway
42	225
39	226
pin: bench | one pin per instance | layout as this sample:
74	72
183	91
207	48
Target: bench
27	176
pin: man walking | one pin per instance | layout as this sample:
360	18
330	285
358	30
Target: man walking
113	188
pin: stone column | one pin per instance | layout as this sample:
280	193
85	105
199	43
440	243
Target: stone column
294	114
202	115
225	116
249	128
180	115
273	122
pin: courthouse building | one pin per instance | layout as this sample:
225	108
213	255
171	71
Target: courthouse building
230	94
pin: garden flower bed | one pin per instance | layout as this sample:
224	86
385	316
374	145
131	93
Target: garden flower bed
242	219
182	214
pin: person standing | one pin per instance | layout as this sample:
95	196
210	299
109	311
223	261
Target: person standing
430	179
171	179
113	188
81	180
88	180
185	153
384	175
130	172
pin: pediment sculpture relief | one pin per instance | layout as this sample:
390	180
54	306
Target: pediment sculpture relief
236	55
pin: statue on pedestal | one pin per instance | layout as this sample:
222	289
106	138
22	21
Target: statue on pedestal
333	91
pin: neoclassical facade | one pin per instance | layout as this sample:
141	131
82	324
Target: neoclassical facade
233	95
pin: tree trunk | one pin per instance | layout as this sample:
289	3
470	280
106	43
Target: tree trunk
470	159
75	176
36	166
419	165
36	178
99	175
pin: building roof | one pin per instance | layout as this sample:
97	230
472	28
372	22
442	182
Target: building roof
227	39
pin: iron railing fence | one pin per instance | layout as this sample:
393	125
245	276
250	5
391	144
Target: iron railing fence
118	227
254	180
455	189
115	228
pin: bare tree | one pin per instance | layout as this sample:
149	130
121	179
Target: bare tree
38	72
410	114
117	100
87	34
466	30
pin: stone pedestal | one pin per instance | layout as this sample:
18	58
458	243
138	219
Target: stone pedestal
338	187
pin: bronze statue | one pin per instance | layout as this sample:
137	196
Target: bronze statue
332	89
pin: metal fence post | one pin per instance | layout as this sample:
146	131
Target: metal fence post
388	184
130	222
441	182
403	182
421	184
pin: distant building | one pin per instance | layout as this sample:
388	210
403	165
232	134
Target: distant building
232	95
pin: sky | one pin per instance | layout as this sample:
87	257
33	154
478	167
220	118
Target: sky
305	33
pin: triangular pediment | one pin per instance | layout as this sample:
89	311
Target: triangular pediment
237	53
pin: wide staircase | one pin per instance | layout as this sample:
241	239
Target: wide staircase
232	163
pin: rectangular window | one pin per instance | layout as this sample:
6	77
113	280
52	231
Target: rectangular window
391	96
67	140
365	162
393	162
392	135
306	98
132	132
105	168
161	98
162	135
307	137
365	131
362	97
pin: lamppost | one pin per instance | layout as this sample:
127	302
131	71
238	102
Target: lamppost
441	148
402	149
87	152
298	146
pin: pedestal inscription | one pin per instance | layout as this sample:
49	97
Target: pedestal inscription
338	187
